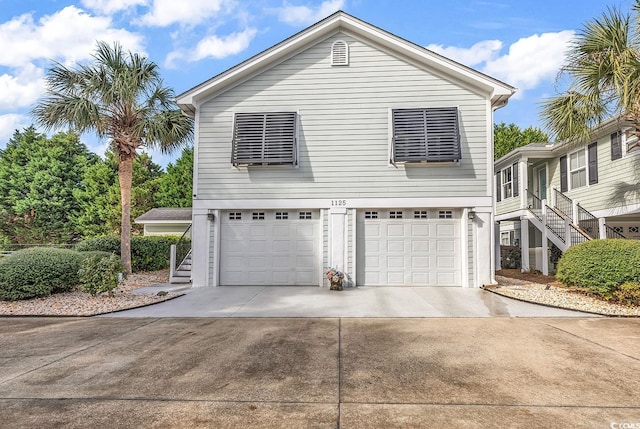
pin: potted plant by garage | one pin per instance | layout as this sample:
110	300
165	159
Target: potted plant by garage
335	278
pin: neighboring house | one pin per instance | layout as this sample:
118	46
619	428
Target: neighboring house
567	193
165	221
344	146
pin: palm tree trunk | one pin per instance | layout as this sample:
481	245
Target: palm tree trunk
125	177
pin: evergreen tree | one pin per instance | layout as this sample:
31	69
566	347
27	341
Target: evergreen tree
38	178
509	137
176	186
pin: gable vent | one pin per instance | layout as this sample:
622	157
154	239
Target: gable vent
339	53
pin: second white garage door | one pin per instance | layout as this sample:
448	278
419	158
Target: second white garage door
264	247
409	247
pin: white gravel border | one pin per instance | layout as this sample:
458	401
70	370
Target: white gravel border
559	297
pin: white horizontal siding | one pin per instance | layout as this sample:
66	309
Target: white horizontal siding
343	130
617	180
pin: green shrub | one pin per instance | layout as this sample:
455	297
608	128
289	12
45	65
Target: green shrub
100	272
628	294
38	271
147	253
600	265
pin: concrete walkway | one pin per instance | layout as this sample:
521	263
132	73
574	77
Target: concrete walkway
321	373
270	301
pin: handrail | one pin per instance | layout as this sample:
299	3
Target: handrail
555	223
578	236
563	203
612	233
588	222
183	248
534	204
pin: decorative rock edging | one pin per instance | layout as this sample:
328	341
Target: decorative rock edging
558	297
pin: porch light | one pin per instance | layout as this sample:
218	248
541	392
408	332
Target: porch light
210	215
472	215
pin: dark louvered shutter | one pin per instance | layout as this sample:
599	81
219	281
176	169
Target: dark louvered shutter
264	138
593	163
564	184
516	185
426	135
498	187
616	146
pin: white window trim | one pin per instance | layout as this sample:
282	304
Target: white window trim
630	144
584	167
504	183
502	240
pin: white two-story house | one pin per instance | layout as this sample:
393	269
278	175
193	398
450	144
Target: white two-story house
560	194
344	146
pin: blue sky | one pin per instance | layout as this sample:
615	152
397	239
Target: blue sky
520	42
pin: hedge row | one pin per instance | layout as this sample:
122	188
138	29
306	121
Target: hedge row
94	265
610	268
41	271
147	253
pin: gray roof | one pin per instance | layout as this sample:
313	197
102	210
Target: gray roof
166	214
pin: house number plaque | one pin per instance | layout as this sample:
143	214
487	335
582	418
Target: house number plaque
338	203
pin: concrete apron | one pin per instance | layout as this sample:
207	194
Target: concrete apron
322	373
300	301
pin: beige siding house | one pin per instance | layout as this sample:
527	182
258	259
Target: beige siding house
344	146
558	195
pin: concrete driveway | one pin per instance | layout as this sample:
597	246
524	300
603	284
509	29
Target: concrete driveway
298	301
323	373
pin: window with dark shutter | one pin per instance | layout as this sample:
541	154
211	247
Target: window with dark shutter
264	139
516	185
430	135
616	146
498	188
564	184
593	163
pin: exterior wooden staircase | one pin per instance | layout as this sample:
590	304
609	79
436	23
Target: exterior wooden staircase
180	262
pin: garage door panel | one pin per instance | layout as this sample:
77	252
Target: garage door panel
445	246
445	230
395	245
395	262
420	230
269	249
420	248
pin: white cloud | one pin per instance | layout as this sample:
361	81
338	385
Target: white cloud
481	52
109	7
167	12
57	36
529	62
214	47
532	60
22	89
9	123
305	15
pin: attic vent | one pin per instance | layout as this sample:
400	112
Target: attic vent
339	53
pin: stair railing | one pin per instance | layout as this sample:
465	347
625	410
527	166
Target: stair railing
612	233
577	236
588	223
183	248
563	203
534	204
556	224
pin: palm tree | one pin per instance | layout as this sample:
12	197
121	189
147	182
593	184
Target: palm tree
603	69
119	96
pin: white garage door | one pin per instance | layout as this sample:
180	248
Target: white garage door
264	247
409	247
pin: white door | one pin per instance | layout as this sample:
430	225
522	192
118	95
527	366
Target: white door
268	247
409	247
